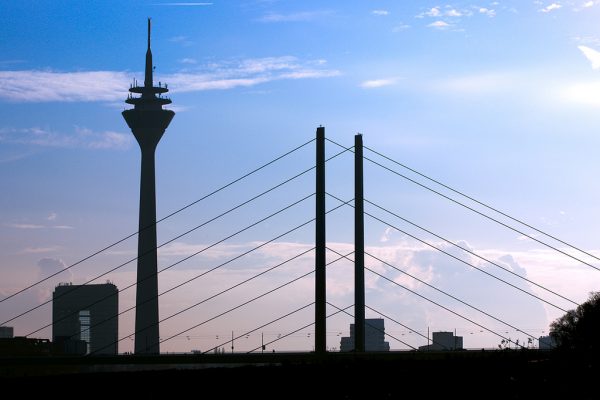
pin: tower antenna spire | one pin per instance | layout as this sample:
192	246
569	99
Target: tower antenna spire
148	78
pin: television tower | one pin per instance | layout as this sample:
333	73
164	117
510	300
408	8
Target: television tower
148	122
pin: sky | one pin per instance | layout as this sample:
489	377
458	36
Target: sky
499	100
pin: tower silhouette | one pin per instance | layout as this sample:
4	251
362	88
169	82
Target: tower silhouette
148	122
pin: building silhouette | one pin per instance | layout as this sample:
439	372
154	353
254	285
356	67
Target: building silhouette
85	318
546	342
443	341
6	332
374	336
148	122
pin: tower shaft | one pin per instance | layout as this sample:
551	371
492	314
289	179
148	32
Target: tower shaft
146	316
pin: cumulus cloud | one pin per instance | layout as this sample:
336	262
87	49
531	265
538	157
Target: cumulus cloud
79	138
592	55
428	265
49	266
110	86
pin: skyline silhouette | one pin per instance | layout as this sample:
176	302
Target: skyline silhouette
418	94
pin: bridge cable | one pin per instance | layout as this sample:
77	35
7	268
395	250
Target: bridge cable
438	304
374	327
193	278
485	205
163	244
160	220
458	259
244	303
297	330
451	296
260	327
472	253
476	211
205	321
203	301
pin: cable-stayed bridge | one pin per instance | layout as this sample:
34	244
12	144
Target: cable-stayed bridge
270	276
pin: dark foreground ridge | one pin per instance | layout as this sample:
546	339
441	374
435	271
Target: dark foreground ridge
468	374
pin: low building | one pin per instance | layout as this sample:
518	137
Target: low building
443	341
546	342
374	337
23	346
6	332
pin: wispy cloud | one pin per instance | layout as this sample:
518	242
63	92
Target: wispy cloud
377	83
80	138
295	17
400	27
25	226
439	25
487	11
49	86
455	14
107	86
474	84
583	93
432	12
36	226
188	61
247	73
183	4
39	250
592	55
380	12
589	4
4	63
551	7
181	40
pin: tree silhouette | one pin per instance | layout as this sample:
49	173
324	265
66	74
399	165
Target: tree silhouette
579	329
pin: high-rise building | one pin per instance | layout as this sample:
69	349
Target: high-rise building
374	336
86	315
148	122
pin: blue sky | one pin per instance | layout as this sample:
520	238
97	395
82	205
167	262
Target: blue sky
497	99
